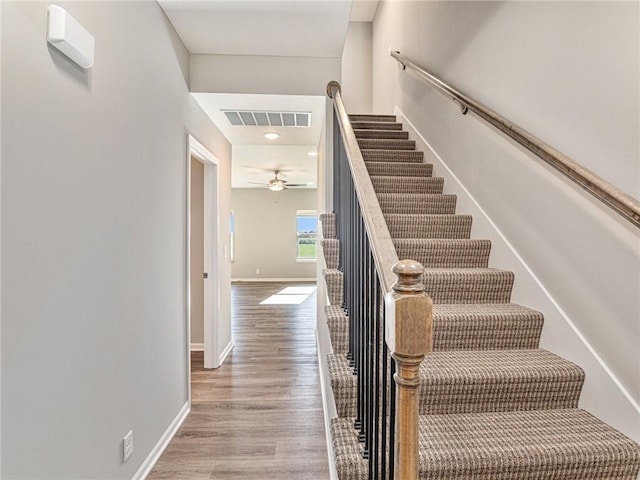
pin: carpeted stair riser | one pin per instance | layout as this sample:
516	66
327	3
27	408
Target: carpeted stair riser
331	252
338	324
479	381
328	222
399	169
343	384
497	381
446	253
335	287
347	450
355	117
416	226
388	184
567	444
376	126
504	326
524	446
417	203
404	156
384	134
468	285
384	144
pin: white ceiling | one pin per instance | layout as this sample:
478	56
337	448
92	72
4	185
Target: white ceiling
305	28
214	103
256	163
299	28
252	149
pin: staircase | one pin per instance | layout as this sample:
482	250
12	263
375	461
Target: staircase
493	405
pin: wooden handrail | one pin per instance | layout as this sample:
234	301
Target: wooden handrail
382	247
621	202
408	316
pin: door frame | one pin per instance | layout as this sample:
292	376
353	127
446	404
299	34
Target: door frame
211	254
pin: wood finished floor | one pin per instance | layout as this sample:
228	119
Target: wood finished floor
258	416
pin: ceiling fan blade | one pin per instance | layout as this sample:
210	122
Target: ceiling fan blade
259	183
297	185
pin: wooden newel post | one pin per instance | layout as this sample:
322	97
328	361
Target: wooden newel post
409	339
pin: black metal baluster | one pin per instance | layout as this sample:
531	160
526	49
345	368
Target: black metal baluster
374	290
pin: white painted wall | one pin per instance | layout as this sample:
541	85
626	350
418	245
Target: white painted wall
262	74
265	233
93	239
357	73
569	73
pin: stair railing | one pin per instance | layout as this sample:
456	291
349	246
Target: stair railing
390	324
622	203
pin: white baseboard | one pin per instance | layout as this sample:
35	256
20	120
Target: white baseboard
225	353
197	347
166	437
333	472
273	280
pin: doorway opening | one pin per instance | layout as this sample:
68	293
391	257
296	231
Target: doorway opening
203	256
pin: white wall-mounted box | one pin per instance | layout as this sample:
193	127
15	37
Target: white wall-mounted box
67	35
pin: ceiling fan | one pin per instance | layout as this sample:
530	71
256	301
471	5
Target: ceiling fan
277	184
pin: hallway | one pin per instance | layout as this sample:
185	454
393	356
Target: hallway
259	416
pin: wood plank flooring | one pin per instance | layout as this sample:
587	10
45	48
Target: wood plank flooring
258	416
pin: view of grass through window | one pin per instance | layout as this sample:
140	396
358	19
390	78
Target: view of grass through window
307	228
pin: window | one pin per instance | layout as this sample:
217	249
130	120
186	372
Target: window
307	233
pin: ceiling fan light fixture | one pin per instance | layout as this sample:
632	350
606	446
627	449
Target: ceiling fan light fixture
271	135
276	187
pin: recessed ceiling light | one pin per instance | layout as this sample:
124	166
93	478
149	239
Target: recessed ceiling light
313	153
271	135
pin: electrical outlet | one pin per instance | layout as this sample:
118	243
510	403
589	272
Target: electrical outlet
257	271
127	446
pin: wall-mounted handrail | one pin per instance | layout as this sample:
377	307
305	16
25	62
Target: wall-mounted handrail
624	204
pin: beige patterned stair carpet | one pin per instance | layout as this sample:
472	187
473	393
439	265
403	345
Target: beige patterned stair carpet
493	406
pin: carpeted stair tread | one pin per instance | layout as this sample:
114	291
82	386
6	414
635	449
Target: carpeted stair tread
445	252
497	381
423	226
328	222
386	144
361	125
412	156
417	203
400	169
468	381
563	444
384	134
468	285
343	384
485	326
391	184
366	117
338	325
335	287
330	251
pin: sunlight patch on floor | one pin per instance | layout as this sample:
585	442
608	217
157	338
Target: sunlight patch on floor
289	296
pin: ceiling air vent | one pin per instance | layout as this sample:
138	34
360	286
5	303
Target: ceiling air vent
268	119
